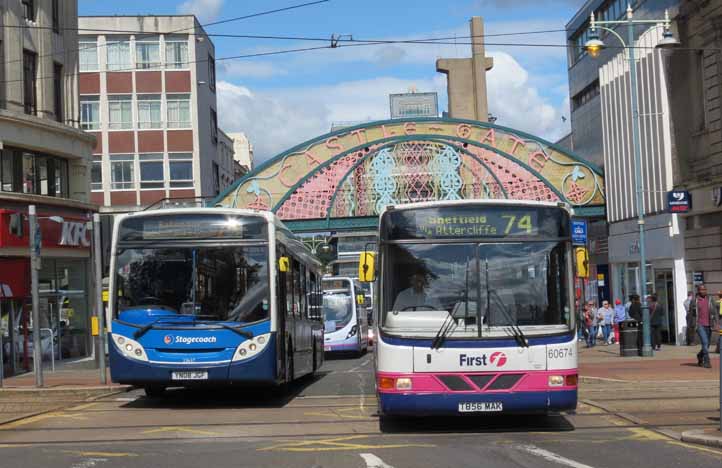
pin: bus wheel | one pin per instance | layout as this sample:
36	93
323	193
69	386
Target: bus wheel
154	391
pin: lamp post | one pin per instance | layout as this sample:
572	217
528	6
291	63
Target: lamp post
594	46
35	243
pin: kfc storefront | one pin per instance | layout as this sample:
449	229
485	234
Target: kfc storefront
65	283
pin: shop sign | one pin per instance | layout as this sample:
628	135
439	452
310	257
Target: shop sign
579	232
73	232
679	201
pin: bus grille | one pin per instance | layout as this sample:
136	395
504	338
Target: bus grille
482	382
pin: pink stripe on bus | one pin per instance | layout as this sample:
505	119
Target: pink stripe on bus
428	382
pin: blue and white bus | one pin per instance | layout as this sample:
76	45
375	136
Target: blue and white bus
211	296
474	304
345	315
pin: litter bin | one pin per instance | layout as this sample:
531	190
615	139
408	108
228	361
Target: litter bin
628	338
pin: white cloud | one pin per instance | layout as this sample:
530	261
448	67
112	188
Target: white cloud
282	118
205	10
249	69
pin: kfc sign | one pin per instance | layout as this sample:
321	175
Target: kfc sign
74	235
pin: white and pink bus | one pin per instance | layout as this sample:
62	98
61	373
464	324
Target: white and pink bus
475	308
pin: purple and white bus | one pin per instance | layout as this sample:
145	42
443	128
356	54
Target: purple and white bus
475	308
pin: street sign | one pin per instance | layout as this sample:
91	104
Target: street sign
579	232
679	201
698	278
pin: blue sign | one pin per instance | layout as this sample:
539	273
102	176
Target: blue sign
579	232
679	201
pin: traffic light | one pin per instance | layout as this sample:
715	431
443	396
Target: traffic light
582	261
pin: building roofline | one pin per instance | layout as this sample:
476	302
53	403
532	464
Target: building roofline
581	16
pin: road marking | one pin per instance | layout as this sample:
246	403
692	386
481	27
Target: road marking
352	412
89	463
185	430
101	454
40	417
372	461
82	407
551	456
354	369
695	447
335	444
125	399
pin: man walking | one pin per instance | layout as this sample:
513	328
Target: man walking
656	319
705	309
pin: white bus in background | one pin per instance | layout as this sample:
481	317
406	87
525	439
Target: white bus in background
345	315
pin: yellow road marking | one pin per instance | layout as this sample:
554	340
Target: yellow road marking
640	433
100	454
185	430
338	443
696	447
40	417
343	413
82	407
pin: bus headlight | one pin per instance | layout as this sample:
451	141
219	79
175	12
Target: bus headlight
403	384
556	380
251	347
130	348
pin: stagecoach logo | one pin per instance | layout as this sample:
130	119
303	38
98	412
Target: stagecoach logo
498	358
168	339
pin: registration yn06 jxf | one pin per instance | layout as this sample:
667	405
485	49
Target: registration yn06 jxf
480	407
190	375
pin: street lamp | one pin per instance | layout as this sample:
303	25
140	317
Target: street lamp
594	46
34	229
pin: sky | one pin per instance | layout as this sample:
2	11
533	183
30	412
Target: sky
280	101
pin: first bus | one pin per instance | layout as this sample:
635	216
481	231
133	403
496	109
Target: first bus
211	296
475	308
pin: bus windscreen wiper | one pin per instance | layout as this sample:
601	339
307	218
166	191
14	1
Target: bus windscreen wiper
144	329
515	330
236	329
447	327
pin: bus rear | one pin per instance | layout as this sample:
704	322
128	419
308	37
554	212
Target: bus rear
191	300
475	309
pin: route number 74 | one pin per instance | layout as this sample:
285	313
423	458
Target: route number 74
522	224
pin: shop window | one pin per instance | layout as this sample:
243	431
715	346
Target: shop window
151	170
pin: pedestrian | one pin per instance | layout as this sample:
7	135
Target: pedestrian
597	323
718	331
620	315
606	318
691	319
705	309
656	320
589	323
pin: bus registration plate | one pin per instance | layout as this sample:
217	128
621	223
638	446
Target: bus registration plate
189	375
480	407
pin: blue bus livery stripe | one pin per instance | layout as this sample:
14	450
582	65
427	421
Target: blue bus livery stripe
448	403
480	343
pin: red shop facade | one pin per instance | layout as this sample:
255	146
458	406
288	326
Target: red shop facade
64	280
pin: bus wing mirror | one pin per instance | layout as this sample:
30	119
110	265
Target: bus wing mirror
582	262
366	273
283	263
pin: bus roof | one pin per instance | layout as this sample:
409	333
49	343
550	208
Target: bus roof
442	203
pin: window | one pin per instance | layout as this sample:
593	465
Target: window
211	73
181	169
120	109
29	10
7	170
61	177
121	171
151	170
88	51
216	179
585	95
2	76
29	85
56	15
214	126
147	54
96	174
176	53
89	113
33	173
179	111
149	111
118	55
58	91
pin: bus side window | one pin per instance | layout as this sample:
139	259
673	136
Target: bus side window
296	288
289	292
303	311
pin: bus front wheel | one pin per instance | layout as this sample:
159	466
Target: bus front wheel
154	391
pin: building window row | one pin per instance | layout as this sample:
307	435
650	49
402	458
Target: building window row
146	56
148	115
585	95
33	173
144	171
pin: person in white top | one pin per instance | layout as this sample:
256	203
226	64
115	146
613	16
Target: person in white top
416	296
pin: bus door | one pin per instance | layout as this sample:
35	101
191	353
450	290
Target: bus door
282	313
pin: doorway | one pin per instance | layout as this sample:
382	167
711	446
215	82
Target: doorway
664	287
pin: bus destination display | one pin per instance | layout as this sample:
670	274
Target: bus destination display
191	227
474	222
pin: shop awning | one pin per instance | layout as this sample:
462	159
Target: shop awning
14	278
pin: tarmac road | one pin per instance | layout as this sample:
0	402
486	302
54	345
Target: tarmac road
329	421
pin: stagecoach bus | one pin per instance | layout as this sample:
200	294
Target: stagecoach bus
211	296
475	308
345	315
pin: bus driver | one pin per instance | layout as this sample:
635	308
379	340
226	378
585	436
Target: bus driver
416	296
